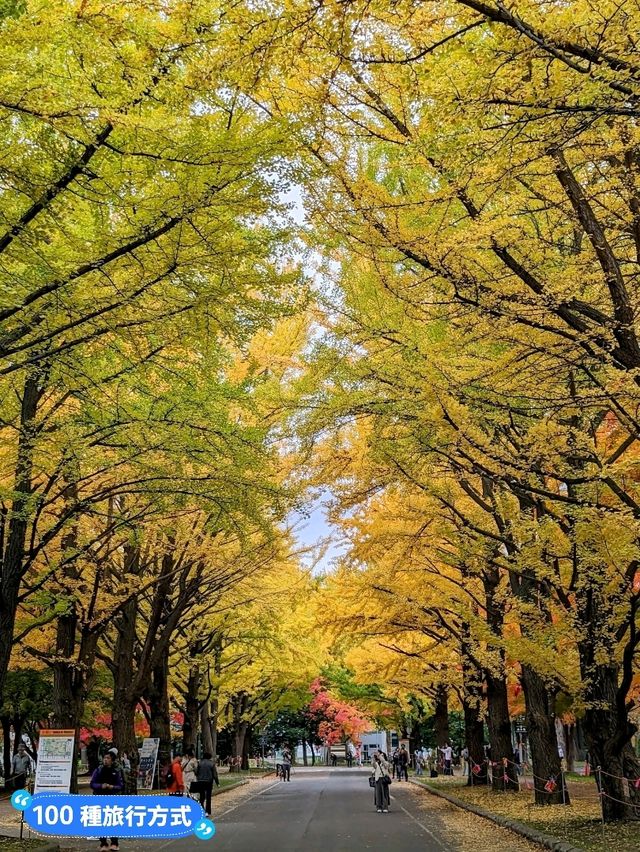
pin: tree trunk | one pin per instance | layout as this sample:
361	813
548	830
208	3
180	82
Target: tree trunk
157	697
14	555
441	720
205	725
125	692
192	708
541	731
472	710
246	747
238	707
240	733
570	743
304	752
72	678
608	732
74	661
6	747
504	774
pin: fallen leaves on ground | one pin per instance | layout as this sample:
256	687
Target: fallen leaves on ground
578	823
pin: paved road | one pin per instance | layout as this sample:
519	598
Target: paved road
324	811
318	811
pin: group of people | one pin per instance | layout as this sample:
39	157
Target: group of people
400	763
182	775
443	759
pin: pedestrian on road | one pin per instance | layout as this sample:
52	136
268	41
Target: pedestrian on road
403	763
207	775
286	764
107	780
175	778
20	767
382	780
189	768
395	760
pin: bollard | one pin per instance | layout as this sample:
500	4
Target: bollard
600	791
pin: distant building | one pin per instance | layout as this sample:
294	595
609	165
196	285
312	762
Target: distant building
377	739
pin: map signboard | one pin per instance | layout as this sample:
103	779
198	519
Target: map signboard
55	761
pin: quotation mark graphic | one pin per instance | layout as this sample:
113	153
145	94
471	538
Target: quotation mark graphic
21	800
205	829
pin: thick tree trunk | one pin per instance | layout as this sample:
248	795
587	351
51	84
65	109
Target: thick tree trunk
206	727
608	732
192	708
125	691
157	697
239	736
247	746
441	717
504	774
14	554
472	710
240	725
6	747
72	678
304	752
76	646
123	722
125	699
541	731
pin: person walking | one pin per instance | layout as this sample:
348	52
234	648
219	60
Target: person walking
20	767
403	763
189	768
175	778
107	780
395	760
286	764
382	780
207	776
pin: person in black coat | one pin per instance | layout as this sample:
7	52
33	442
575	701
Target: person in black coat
107	780
206	776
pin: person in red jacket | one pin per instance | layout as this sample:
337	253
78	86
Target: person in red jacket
176	786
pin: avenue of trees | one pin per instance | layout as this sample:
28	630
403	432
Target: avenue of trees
462	372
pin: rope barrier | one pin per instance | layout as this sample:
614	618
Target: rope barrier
621	777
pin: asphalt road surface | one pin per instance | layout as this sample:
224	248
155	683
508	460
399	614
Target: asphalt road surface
317	811
324	810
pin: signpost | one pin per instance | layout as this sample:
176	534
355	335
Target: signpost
56	751
147	765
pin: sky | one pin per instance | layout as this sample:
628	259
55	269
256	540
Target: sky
313	530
